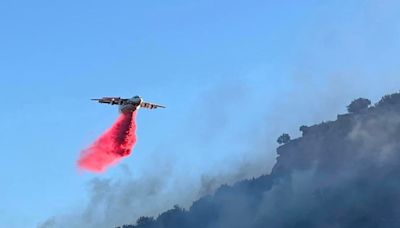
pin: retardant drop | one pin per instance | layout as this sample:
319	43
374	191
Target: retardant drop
115	144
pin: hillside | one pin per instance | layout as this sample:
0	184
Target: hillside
342	173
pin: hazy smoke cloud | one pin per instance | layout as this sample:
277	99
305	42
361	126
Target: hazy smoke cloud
339	174
117	202
114	202
313	84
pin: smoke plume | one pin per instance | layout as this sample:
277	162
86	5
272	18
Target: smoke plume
115	144
341	173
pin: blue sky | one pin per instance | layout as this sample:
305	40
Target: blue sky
234	74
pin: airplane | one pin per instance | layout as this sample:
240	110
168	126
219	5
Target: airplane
128	105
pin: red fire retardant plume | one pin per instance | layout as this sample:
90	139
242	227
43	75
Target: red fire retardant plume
115	144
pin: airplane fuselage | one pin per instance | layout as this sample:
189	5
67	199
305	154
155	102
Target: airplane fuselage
132	105
128	105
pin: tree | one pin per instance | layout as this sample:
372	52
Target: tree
389	100
358	105
283	139
304	129
144	220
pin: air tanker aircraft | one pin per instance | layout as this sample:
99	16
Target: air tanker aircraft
128	105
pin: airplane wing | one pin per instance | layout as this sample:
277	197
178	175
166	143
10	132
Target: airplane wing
111	100
150	105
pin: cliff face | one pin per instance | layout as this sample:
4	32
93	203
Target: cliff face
342	173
